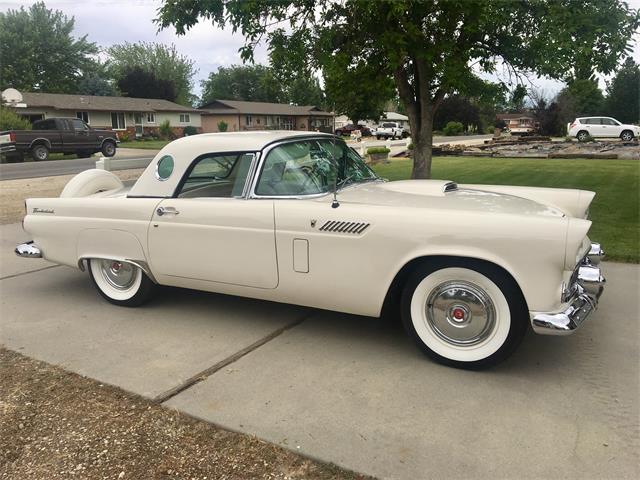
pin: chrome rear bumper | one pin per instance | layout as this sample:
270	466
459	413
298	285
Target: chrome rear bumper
586	293
28	250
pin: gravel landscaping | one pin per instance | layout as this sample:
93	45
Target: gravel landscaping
60	425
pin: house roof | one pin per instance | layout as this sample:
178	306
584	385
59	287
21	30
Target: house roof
60	101
234	107
395	116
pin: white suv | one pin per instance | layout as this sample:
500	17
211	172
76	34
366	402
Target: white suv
581	128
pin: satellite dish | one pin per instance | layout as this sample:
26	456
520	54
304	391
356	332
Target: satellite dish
11	96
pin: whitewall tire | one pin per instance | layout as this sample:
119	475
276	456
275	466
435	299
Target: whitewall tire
120	283
467	316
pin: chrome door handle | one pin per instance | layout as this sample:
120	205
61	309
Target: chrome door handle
166	211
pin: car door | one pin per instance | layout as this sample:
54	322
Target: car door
210	232
81	135
610	128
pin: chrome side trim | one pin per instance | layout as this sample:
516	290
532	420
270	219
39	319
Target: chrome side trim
28	250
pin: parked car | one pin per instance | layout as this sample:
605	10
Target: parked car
57	135
299	218
347	130
390	130
602	127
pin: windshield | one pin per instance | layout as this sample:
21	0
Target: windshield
309	167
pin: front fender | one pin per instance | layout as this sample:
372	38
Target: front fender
572	202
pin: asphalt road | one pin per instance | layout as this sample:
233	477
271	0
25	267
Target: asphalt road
52	168
12	171
345	389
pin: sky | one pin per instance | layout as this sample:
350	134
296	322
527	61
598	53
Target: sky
109	22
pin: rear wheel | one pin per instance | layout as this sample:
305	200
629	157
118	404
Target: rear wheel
626	136
582	135
121	283
40	152
464	317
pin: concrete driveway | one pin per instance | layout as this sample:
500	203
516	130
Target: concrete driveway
347	389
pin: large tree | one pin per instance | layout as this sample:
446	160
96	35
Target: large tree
357	91
139	83
39	53
162	61
428	48
623	93
256	83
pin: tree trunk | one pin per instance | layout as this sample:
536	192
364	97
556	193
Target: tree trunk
422	137
420	107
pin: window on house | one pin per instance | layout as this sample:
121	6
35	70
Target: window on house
184	118
84	116
151	117
248	120
117	121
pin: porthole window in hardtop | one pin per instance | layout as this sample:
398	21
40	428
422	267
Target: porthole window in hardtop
217	175
164	167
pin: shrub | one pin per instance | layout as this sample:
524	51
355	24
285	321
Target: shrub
124	137
165	129
500	124
376	150
453	128
9	120
410	146
189	130
222	126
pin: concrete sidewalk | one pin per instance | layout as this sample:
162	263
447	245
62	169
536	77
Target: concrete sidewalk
346	389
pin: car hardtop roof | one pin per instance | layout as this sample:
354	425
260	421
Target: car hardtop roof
241	141
186	150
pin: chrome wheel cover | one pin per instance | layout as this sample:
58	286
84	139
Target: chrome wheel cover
119	275
460	313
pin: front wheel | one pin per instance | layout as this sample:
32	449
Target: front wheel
464	317
109	149
626	136
121	283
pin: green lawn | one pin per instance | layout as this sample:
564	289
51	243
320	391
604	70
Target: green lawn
615	211
144	144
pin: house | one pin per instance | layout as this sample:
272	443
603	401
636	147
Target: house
402	120
519	122
131	116
240	115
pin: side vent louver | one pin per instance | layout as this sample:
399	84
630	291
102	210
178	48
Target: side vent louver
355	228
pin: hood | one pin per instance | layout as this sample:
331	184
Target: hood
443	195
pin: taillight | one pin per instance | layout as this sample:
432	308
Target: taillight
573	124
12	136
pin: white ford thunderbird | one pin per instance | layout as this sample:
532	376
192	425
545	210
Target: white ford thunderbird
299	218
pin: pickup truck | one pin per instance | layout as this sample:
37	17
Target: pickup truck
389	130
57	135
